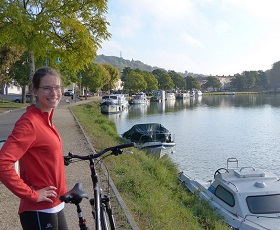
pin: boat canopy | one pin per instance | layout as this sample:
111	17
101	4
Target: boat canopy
147	132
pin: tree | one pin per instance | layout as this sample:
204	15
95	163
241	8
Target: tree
8	56
261	79
251	78
113	77
19	73
239	81
274	73
213	82
177	79
135	82
164	80
125	73
192	83
93	77
152	82
70	30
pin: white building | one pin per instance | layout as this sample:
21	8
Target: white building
10	89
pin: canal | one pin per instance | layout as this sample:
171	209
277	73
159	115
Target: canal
210	129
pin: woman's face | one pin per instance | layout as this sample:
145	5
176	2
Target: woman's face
49	93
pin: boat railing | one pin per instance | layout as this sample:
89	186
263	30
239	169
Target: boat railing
232	160
253	169
233	185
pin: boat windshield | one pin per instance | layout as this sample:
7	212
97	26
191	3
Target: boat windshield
264	204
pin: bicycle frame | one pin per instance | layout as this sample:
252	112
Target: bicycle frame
100	204
101	207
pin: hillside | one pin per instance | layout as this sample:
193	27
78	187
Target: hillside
121	63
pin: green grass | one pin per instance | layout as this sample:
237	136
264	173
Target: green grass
8	105
149	186
226	93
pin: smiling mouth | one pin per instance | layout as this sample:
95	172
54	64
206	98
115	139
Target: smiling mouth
52	99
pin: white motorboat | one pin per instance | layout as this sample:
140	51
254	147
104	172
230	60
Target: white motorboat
198	93
247	199
113	103
195	93
182	95
170	96
154	138
140	98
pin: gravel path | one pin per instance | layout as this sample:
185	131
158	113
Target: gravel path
74	141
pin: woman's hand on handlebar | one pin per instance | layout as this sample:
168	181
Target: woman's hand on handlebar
45	194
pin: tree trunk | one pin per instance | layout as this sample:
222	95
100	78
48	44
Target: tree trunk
31	62
23	95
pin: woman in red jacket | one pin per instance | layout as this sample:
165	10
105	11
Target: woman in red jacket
36	144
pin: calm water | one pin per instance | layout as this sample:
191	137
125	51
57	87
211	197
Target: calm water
210	129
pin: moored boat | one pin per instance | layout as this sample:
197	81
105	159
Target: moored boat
113	103
140	98
198	93
182	95
154	138
170	95
247	199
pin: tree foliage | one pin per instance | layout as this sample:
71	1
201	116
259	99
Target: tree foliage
93	77
112	78
164	80
192	83
152	82
213	82
135	82
239	81
274	73
178	80
70	30
8	56
145	81
249	80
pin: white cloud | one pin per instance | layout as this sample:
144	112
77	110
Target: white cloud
203	36
191	41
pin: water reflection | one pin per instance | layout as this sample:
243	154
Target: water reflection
224	101
210	129
250	100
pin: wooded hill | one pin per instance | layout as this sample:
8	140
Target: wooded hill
121	63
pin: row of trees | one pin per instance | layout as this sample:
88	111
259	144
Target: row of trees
249	80
136	80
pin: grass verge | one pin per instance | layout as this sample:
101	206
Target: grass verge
149	186
7	106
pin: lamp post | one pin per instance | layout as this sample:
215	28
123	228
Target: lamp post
81	82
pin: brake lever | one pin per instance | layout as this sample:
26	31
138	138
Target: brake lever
67	160
116	151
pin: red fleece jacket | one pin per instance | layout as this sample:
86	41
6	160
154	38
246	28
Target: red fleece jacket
37	145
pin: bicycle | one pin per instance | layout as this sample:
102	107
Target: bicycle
101	207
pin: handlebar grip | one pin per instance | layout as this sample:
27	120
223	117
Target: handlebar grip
127	145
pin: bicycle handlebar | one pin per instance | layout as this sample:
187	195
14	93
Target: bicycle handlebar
115	150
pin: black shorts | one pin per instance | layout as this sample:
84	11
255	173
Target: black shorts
34	220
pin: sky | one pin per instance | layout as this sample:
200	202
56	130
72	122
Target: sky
211	37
